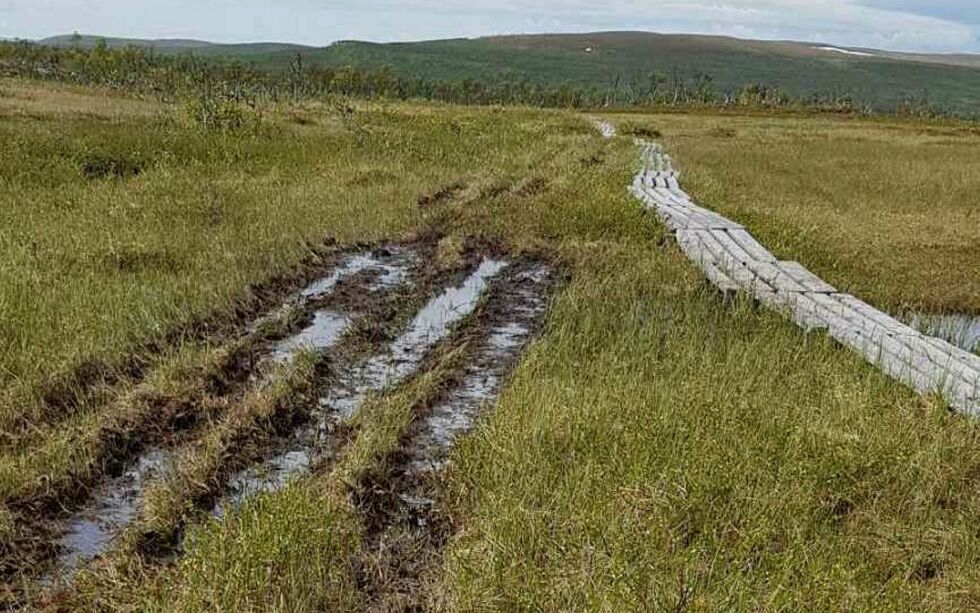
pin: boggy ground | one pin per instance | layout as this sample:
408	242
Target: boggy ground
652	446
274	434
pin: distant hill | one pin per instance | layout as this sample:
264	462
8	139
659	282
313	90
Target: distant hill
880	78
176	45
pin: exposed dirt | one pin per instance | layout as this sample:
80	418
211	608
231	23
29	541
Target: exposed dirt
93	381
406	522
441	195
374	316
351	385
316	320
74	520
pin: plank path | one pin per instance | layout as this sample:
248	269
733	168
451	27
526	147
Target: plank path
734	261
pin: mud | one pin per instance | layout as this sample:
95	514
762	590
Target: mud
396	363
407	526
112	507
484	373
116	503
431	325
61	393
957	329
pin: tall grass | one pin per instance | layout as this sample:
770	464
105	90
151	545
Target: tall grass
116	234
657	449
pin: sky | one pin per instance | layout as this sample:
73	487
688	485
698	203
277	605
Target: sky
901	25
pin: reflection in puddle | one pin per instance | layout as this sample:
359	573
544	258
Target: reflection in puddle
351	265
485	373
323	333
430	326
115	505
960	330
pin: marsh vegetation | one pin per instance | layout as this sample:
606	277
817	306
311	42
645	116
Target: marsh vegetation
651	446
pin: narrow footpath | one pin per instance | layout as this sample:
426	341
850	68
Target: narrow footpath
734	261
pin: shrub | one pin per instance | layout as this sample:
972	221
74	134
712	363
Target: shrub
221	108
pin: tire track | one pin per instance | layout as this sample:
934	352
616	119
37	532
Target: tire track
116	503
406	522
393	365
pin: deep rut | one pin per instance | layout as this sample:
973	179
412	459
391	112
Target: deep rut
403	507
494	305
115	504
391	366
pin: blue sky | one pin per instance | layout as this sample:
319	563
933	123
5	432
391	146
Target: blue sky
908	25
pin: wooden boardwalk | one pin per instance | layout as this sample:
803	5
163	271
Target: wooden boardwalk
735	262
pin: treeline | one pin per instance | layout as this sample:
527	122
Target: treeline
214	86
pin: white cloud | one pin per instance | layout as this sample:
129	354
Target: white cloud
893	24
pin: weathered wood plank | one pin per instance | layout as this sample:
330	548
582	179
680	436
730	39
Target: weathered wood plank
733	260
806	278
751	246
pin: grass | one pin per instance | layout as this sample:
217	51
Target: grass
885	210
249	562
659	451
95	268
656	449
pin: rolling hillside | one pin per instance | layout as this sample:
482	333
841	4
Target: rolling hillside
879	78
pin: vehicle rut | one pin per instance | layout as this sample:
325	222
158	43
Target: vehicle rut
115	504
403	506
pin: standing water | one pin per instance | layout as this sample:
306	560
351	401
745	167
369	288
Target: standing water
117	502
960	330
398	362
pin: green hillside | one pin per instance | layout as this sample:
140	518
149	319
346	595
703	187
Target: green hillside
879	78
261	51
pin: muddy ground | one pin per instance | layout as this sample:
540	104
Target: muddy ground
363	320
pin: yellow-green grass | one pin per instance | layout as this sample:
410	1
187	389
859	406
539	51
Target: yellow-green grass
661	451
888	210
657	448
95	268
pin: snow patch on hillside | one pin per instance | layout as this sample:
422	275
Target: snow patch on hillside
845	51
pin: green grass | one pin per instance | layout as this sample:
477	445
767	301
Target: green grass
885	210
656	449
660	451
95	267
630	57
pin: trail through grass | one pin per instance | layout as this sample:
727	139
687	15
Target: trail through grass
885	210
656	449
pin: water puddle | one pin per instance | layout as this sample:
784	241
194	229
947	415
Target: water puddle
116	503
406	528
393	264
352	265
402	358
431	325
960	330
321	334
522	304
